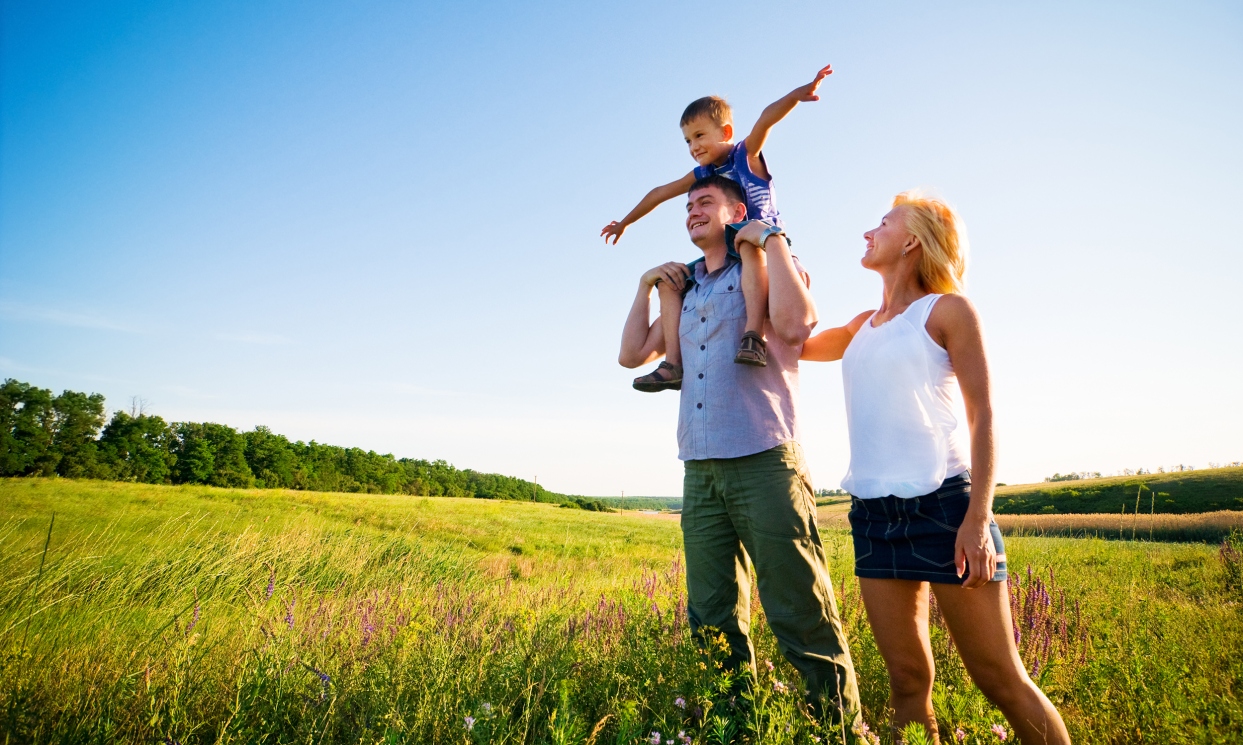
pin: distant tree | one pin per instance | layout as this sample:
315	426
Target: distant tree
271	459
79	418
138	448
27	430
210	453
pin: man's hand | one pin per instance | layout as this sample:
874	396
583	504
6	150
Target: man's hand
974	551
673	273
615	230
751	233
808	92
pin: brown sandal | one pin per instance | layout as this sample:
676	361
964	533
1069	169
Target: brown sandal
654	382
752	350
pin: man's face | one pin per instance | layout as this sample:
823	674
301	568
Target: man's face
708	211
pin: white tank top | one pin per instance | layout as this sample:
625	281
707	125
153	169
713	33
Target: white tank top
900	392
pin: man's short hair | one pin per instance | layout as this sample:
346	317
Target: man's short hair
713	107
728	187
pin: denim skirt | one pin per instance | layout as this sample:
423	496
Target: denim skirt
913	538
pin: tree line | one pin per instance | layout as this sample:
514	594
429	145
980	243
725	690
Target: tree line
70	435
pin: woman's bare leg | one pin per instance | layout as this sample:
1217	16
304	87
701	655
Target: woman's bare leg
898	614
670	319
754	286
980	624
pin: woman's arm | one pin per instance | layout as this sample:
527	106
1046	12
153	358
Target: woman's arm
829	345
955	325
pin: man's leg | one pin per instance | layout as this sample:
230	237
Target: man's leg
770	500
670	319
718	580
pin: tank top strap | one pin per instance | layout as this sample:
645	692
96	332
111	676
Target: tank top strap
926	310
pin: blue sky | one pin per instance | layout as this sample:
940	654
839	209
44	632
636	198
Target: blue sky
375	224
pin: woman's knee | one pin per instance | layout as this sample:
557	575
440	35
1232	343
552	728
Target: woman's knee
1004	685
910	678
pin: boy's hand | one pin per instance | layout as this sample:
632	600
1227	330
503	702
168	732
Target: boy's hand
808	92
614	229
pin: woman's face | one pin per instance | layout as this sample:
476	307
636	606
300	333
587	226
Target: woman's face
886	241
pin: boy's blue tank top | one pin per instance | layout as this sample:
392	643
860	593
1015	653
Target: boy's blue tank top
761	204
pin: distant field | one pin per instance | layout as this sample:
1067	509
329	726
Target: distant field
202	615
643	503
1211	527
1207	490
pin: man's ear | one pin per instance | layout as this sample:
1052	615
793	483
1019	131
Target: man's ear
728	131
740	212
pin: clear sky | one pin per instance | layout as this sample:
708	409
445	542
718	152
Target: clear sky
375	224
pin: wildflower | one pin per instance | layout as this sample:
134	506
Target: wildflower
655	738
195	620
485	707
959	735
1000	731
685	738
470	723
289	614
815	738
770	665
779	687
323	676
679	702
271	587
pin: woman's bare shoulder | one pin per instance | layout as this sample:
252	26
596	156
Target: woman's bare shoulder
856	323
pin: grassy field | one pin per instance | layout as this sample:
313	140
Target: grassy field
1207	490
200	615
1210	527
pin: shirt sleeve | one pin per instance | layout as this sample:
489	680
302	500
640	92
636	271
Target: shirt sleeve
798	267
702	172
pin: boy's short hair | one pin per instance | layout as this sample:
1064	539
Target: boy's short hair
713	107
729	187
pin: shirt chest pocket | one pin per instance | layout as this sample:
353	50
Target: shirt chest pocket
727	300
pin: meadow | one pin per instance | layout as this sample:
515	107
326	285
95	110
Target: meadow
1174	492
192	614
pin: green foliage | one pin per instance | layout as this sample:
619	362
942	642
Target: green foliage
1180	492
1231	553
204	615
46	435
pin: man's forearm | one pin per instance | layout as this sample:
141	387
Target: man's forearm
790	307
635	332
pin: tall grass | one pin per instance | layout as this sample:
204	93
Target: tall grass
196	615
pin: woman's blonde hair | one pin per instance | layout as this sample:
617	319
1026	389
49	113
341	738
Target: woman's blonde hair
943	238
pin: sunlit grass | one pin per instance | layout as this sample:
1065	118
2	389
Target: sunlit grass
193	614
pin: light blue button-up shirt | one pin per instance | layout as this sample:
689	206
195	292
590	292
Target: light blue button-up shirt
730	410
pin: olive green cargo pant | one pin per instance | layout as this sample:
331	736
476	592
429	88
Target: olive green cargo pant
760	508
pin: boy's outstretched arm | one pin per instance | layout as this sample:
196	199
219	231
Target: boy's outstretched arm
648	203
775	112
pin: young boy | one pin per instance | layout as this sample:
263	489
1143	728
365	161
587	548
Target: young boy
707	125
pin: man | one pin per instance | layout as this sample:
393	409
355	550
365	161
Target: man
747	495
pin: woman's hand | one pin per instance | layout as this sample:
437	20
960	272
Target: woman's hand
974	550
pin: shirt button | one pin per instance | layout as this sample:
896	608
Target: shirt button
703	319
686	307
701	376
699	406
702	347
731	287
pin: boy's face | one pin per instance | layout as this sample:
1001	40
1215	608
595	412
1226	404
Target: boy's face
708	142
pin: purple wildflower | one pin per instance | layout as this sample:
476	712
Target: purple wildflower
485	707
289	613
323	676
1000	731
959	735
779	687
679	702
194	621
686	740
769	663
470	723
655	738
271	587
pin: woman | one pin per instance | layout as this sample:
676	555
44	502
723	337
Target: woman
920	519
